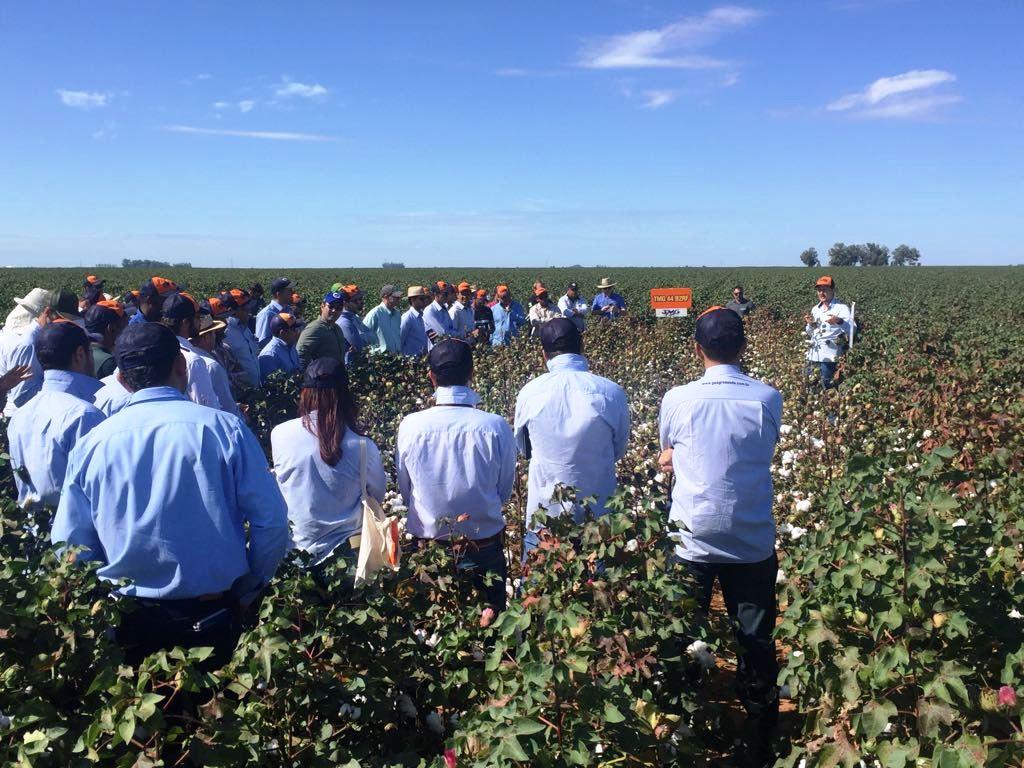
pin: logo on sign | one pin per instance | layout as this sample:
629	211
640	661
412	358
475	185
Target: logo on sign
671	302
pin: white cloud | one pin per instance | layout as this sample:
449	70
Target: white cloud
246	105
290	88
658	99
83	99
271	135
220	105
203	76
670	47
898	96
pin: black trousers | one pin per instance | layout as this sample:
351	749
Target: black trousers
749	593
154	625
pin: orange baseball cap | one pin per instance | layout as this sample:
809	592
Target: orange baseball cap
464	286
501	290
93	280
826	281
350	289
539	290
240	297
217	308
112	304
482	293
709	310
163	285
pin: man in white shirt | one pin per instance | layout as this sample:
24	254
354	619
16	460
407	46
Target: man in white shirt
574	306
436	320
456	466
178	312
542	310
461	313
719	434
572	425
16	344
827	323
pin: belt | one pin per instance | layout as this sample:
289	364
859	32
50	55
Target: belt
497	538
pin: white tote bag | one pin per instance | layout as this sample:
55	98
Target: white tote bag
379	545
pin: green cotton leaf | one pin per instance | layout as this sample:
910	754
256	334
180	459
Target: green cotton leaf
201	653
947	684
524	726
126	728
835	754
612	714
513	749
895	755
930	715
147	706
874	717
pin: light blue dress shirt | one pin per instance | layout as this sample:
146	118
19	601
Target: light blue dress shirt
437	319
507	323
16	349
263	318
356	334
601	301
453	461
242	344
220	381
324	502
44	430
277	356
723	429
112	396
137	318
578	428
414	333
161	492
386	325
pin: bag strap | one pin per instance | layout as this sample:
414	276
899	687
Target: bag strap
362	466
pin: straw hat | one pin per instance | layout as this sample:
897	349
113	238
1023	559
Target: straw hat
416	290
208	325
606	282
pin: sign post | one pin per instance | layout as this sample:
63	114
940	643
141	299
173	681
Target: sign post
671	302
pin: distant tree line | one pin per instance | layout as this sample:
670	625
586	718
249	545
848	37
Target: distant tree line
392	265
866	255
151	264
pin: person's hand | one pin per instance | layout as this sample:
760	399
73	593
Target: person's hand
14	377
665	461
833	320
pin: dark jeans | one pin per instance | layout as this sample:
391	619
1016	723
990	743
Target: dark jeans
824	372
749	593
476	562
155	625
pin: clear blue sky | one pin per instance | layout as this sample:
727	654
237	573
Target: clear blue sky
526	133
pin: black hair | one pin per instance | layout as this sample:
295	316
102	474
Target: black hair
155	374
58	356
173	323
724	350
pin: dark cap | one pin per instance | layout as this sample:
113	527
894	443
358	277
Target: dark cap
65	304
55	343
391	290
285	320
574	286
325	373
720	333
333	297
92	280
145	344
559	336
98	318
280	284
178	306
450	354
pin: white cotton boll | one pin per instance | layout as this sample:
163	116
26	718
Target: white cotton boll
1014	614
990	551
660	477
632	545
817	443
785	472
780	577
434	723
785	429
405	705
779	498
701	652
960	523
993	484
788	457
433	640
797	654
926	434
796	532
804	505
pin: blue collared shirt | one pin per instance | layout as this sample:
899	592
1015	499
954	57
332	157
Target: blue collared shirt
161	492
277	356
112	396
601	301
414	333
324	502
437	319
17	349
43	431
137	318
242	344
263	318
455	461
386	325
723	429
507	323
577	424
356	334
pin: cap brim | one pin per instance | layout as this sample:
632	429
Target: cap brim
69	317
218	325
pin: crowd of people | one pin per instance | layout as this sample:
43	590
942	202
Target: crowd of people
123	417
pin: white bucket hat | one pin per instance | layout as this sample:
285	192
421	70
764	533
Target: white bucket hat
36	301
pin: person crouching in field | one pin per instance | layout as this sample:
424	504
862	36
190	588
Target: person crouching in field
322	460
719	434
455	467
828	321
162	493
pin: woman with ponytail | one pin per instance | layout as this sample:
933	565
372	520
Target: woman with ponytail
316	459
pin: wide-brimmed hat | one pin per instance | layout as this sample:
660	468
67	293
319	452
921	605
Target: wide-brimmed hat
36	301
606	282
416	291
208	325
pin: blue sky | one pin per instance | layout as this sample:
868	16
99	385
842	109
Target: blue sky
527	133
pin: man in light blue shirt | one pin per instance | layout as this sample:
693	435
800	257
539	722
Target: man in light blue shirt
572	425
385	321
43	432
509	317
719	435
239	340
455	467
162	494
281	290
436	320
413	331
111	396
608	304
358	336
280	353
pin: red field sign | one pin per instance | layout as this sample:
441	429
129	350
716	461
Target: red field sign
671	302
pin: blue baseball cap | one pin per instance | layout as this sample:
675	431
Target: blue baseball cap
334	296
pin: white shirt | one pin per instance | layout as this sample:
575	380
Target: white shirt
221	382
16	349
324	502
539	315
242	344
200	385
575	309
577	424
462	319
437	319
453	461
824	337
723	428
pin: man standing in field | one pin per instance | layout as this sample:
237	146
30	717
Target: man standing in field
281	291
740	304
16	349
239	339
358	336
718	435
151	299
104	322
828	321
43	432
413	331
323	337
608	305
455	467
542	311
178	500
573	306
280	354
483	317
572	425
436	320
508	317
461	313
385	322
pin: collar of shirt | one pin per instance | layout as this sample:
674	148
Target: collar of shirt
77	384
150	394
275	307
717	371
186	344
456	396
568	362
